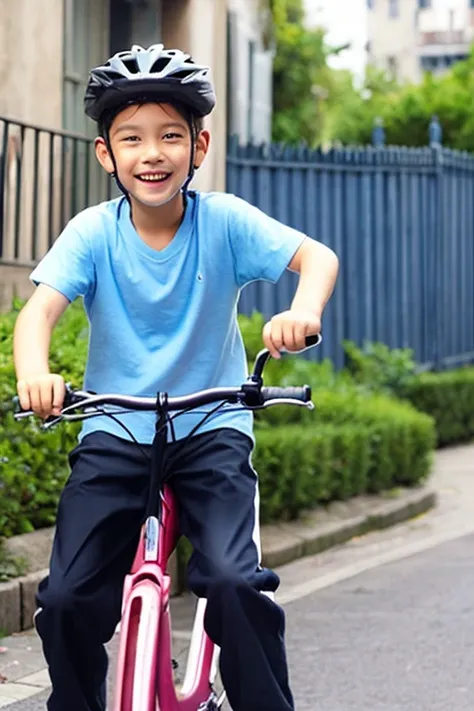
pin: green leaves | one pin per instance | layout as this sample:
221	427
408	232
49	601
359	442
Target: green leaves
406	109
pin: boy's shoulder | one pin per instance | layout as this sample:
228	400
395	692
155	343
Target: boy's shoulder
216	203
100	217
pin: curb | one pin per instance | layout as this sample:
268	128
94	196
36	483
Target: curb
303	540
293	541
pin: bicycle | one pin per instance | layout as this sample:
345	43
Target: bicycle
144	675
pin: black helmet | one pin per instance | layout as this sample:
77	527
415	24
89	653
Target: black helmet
155	74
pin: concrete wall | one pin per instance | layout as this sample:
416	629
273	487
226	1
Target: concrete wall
14	283
31	60
394	37
30	93
200	28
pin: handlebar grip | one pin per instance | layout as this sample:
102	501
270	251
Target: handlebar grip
313	340
303	394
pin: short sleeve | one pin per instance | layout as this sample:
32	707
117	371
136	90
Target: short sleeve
68	267
262	247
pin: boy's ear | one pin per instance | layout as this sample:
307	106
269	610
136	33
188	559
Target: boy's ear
103	155
202	146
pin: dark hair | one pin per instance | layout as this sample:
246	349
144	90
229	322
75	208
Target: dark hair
196	123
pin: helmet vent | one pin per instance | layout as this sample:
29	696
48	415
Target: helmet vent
131	65
159	65
182	75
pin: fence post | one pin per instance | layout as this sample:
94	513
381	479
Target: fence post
378	133
435	132
435	137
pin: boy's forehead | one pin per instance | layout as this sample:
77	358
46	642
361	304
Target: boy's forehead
162	113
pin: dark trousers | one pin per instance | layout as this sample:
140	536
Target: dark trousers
100	514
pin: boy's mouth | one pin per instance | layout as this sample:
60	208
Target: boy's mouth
158	177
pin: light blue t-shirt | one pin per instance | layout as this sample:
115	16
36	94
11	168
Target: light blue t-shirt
166	320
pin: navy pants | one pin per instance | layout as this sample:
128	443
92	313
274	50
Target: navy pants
100	514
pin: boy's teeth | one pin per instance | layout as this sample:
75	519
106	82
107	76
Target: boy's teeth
158	176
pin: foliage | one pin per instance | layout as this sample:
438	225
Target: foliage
448	397
350	444
33	464
380	368
305	88
406	109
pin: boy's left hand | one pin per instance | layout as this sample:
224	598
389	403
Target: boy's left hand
289	330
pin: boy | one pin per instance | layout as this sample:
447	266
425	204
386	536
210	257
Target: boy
160	270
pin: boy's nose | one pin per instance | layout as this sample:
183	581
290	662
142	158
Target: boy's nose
152	154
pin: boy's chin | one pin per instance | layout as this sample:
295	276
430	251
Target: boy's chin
156	203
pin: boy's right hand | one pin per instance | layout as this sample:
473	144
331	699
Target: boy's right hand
44	394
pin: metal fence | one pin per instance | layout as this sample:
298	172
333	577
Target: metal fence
402	223
401	220
45	178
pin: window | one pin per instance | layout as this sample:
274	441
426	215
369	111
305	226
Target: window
370	4
471	3
422	4
392	66
393	8
85	27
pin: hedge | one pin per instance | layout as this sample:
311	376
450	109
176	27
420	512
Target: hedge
352	443
448	397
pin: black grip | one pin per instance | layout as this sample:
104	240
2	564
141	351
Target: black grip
313	340
303	394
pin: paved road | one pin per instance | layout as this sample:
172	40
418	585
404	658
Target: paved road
398	637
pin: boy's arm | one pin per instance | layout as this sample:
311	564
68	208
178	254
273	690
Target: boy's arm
38	389
318	267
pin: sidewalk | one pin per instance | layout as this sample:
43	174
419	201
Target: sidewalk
452	484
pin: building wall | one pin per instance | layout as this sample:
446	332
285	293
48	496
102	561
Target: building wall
32	94
31	60
420	37
445	33
199	27
392	40
250	73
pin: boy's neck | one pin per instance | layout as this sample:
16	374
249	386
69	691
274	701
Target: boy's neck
157	226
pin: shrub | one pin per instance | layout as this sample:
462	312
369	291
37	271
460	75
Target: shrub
352	443
380	368
33	463
448	397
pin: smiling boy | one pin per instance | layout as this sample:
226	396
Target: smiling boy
160	270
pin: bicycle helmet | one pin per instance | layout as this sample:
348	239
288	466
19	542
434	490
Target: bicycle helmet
153	74
142	75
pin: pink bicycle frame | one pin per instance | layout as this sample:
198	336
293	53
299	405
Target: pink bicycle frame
144	670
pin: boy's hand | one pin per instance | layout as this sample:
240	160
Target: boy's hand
44	394
289	330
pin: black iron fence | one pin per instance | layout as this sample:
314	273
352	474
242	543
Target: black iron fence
46	176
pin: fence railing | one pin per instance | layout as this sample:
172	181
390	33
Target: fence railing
46	177
402	222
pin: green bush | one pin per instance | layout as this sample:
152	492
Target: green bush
448	397
379	368
33	463
352	443
300	467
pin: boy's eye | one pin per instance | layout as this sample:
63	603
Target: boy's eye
131	138
172	135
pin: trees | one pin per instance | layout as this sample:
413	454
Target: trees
406	109
305	88
317	104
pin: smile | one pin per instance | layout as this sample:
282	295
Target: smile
153	177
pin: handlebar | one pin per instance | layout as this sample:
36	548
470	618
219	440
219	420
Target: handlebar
252	395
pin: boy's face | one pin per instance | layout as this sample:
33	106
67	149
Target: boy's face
151	145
